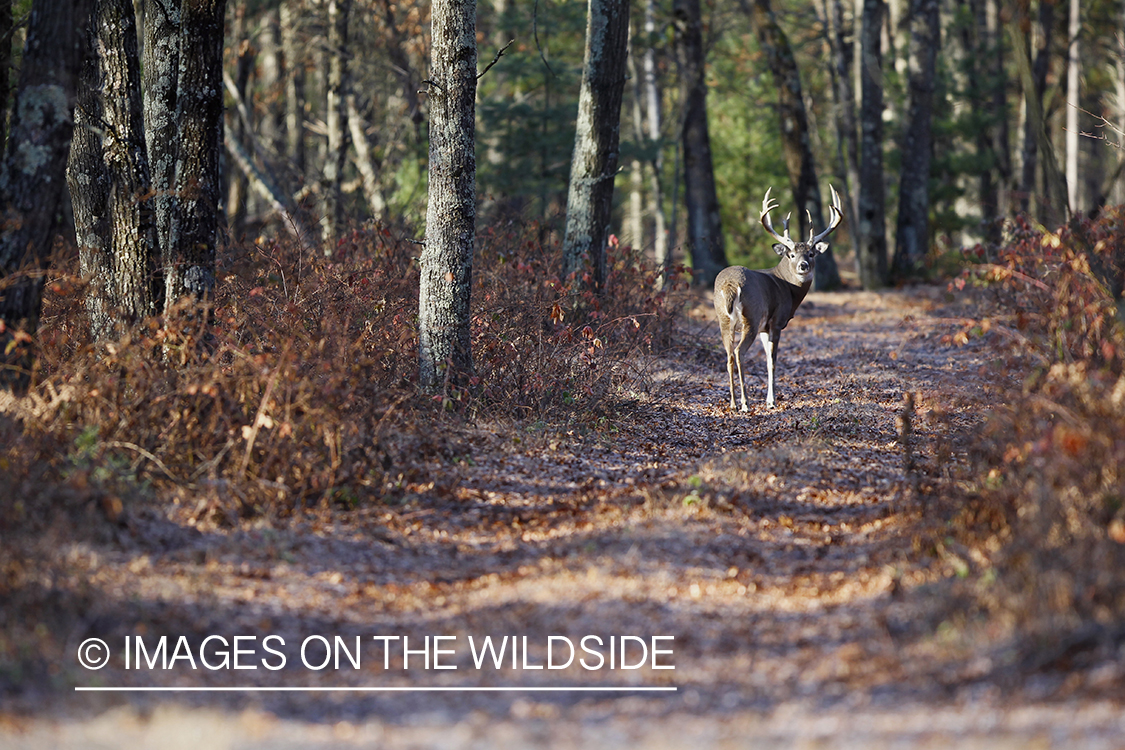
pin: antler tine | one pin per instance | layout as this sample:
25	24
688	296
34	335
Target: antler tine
767	206
837	215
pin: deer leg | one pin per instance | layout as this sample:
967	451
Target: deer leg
771	356
743	345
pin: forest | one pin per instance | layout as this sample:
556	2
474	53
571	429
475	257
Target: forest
325	320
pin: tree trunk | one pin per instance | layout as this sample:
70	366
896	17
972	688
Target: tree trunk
238	188
636	167
273	124
294	87
6	30
794	135
364	161
652	107
265	186
189	266
1073	103
88	181
336	120
1001	141
589	203
705	229
847	148
134	246
447	260
160	70
1054	208
912	234
34	174
871	238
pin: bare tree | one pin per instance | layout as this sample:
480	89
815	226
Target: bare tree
794	133
705	228
653	119
447	261
870	234
594	165
912	233
33	174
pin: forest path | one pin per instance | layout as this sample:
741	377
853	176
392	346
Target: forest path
785	550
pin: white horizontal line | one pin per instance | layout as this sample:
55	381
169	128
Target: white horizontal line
251	689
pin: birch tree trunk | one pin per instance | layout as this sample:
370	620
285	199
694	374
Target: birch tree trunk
871	238
447	260
593	167
189	267
636	167
705	228
34	174
336	119
1073	102
159	81
912	233
794	135
652	109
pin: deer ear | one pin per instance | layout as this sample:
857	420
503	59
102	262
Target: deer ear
779	248
822	247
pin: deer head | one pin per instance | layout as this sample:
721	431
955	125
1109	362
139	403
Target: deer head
799	257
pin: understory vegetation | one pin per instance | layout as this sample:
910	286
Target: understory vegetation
1049	490
302	392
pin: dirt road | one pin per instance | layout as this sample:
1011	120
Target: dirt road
784	562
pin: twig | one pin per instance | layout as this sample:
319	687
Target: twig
496	59
146	454
535	31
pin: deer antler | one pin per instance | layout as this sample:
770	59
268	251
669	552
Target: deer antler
837	215
767	206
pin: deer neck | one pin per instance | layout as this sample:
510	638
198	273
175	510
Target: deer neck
797	289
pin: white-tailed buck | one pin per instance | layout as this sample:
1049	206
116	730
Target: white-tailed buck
763	302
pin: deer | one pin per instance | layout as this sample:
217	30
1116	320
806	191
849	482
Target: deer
763	302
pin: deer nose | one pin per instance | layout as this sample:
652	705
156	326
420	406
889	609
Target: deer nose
803	266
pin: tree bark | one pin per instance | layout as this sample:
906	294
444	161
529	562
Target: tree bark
294	86
654	144
159	84
189	265
6	30
364	161
273	124
447	260
1073	103
336	119
88	181
912	233
34	174
847	147
589	203
871	239
1055	206
238	188
794	135
705	229
135	248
